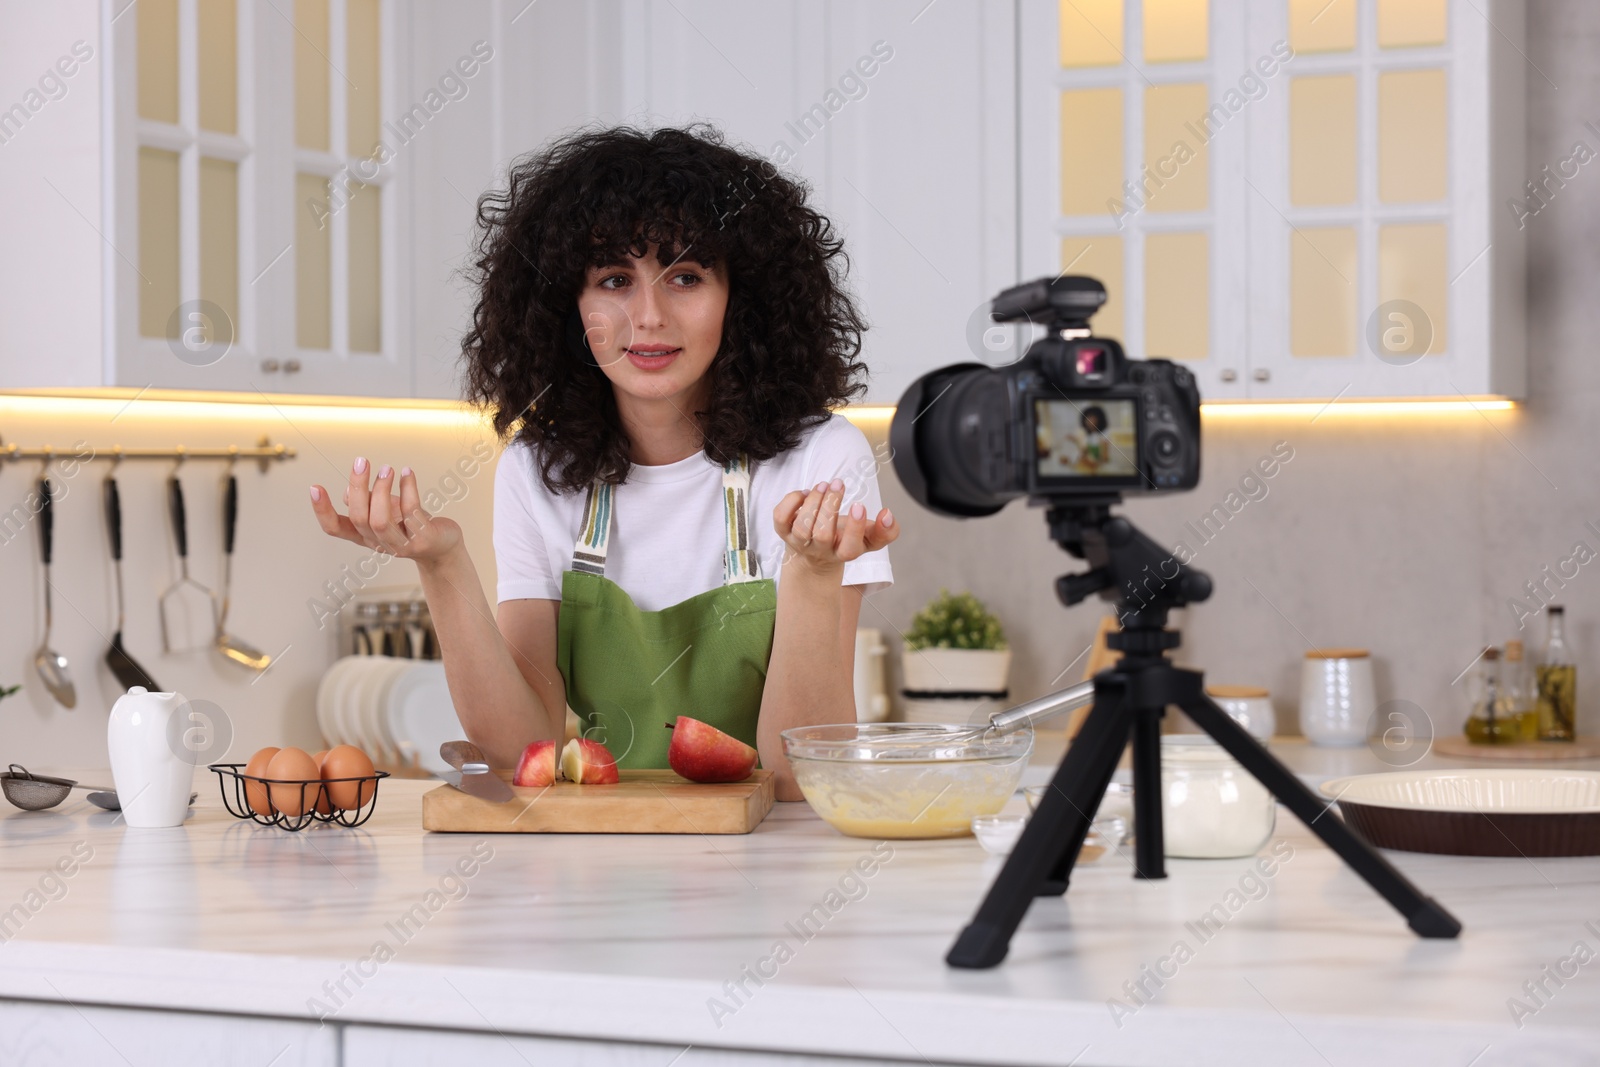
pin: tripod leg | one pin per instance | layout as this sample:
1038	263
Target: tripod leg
1105	765
1149	843
1423	914
1052	837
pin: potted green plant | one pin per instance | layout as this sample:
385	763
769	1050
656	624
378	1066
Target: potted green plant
955	658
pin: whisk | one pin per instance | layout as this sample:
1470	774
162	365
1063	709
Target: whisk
1010	720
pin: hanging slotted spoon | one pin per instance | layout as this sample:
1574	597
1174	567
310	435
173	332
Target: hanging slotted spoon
123	666
51	665
174	610
233	649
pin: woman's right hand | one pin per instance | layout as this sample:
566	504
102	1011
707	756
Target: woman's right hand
384	520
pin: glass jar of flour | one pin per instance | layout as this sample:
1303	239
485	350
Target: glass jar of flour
1211	807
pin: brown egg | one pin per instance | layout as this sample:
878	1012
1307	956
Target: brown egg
293	765
255	794
323	805
348	761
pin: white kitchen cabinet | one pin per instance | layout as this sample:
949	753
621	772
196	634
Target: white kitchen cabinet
226	160
901	116
380	1046
42	1034
1304	200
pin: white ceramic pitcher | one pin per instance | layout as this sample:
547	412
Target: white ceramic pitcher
152	777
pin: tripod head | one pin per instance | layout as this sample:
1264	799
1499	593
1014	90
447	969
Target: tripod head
1126	567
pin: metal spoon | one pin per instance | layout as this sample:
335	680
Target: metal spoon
233	649
127	672
51	665
107	799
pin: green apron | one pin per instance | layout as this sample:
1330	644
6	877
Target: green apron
629	672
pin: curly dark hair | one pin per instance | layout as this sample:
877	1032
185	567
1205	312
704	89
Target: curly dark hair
791	332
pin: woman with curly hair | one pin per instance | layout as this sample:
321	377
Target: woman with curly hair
682	526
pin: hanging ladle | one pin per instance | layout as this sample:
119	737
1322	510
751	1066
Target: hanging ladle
123	666
233	649
51	665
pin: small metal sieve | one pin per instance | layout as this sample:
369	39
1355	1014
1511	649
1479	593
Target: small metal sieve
35	792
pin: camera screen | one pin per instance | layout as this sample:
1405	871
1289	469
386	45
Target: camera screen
1086	438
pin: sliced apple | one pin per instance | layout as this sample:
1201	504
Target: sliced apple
588	762
702	753
537	767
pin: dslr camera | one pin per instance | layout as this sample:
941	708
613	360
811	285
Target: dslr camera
1073	421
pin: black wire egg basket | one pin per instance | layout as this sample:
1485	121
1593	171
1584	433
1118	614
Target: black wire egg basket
312	799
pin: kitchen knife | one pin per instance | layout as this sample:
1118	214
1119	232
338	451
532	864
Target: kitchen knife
472	774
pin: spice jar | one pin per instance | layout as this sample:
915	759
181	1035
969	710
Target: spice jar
1211	807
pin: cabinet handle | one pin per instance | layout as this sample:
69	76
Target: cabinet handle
1263	375
291	366
1229	375
269	366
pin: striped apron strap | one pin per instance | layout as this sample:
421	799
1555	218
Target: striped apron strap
739	563
589	554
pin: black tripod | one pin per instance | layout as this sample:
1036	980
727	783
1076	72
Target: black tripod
1129	699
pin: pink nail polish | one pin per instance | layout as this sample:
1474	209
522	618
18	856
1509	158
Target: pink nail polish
822	487
405	472
858	511
385	471
316	494
837	485
361	465
888	518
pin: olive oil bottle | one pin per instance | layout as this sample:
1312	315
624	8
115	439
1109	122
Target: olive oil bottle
1493	720
1517	678
1558	682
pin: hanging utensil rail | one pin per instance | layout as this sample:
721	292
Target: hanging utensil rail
263	453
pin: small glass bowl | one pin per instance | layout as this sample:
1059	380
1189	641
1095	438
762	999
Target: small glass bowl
905	780
998	833
1115	811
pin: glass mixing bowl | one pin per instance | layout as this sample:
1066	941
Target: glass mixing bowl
905	780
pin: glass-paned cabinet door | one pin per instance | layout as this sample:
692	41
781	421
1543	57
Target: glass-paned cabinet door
1132	159
342	196
252	185
1380	263
183	160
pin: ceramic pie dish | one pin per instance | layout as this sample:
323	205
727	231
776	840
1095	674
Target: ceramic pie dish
1471	812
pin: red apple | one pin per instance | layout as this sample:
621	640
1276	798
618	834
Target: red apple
702	753
537	767
588	762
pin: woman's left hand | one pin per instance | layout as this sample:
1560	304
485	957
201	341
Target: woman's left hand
815	532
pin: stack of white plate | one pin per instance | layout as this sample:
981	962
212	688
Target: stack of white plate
396	710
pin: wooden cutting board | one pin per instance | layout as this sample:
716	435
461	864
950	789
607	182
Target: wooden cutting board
644	802
1461	748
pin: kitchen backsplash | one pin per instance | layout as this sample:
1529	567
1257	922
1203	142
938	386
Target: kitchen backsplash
1413	537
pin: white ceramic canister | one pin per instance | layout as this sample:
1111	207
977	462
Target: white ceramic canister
1211	807
148	766
1337	697
1248	705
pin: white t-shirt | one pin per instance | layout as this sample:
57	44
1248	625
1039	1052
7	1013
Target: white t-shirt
667	531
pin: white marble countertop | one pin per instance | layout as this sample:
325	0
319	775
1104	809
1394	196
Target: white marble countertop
639	938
